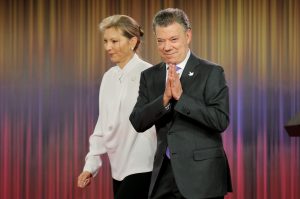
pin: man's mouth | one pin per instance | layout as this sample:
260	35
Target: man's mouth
169	54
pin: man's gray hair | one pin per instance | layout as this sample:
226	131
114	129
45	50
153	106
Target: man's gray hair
170	15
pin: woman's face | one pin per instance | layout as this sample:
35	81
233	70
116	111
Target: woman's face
118	47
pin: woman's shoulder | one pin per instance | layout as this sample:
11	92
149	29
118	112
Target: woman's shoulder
144	64
110	71
108	75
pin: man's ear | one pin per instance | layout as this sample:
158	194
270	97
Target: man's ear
189	35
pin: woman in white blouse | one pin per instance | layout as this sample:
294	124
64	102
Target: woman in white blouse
130	154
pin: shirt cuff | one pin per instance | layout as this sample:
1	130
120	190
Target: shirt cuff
168	106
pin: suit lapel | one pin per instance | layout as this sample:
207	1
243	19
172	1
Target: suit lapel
160	79
190	72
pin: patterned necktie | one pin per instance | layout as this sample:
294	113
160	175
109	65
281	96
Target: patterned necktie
168	153
178	71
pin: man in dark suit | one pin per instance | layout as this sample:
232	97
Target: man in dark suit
186	98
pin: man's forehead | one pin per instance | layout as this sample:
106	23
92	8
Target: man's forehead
170	30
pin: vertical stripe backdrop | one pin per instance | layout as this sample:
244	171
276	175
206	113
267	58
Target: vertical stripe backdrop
52	61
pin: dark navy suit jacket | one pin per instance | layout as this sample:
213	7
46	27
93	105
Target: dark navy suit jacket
191	127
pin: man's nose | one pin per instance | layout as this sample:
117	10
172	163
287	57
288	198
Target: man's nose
167	46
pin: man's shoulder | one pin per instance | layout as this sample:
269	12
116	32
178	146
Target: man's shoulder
206	63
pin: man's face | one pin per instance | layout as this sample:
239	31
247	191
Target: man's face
172	42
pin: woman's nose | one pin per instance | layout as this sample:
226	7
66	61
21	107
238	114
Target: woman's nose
107	46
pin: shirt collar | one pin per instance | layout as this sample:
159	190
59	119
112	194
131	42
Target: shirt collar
183	63
130	65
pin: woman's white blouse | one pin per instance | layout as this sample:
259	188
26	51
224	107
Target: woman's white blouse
129	152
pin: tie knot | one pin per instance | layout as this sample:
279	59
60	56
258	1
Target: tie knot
177	68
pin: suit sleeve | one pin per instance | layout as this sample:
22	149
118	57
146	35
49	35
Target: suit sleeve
146	111
213	110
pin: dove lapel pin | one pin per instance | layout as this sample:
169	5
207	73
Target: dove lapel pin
191	74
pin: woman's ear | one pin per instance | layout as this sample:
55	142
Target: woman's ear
133	42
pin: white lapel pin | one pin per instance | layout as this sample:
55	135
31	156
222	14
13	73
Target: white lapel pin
191	74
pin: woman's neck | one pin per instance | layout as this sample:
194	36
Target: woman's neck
123	63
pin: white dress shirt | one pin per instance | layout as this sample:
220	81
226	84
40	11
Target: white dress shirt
181	65
129	152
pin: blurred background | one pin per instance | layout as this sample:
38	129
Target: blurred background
51	65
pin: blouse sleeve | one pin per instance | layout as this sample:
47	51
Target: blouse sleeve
96	143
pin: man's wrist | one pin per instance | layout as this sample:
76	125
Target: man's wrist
166	100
